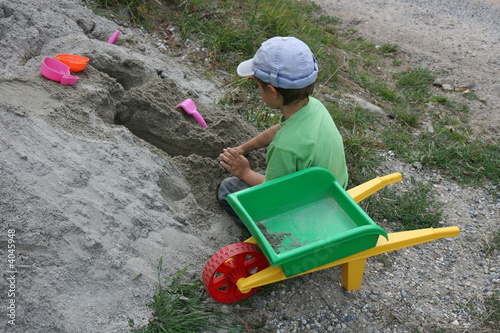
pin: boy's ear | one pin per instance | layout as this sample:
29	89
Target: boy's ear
273	90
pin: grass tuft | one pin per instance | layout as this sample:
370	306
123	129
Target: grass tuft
410	210
415	83
178	308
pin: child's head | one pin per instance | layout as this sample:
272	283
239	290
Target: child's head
287	64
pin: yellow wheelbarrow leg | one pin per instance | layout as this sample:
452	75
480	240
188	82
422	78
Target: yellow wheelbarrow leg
353	266
352	273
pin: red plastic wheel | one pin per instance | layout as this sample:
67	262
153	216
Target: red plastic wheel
227	266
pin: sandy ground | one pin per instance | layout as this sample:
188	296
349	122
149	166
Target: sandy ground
100	180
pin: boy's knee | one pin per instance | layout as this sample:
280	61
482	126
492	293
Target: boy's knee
228	186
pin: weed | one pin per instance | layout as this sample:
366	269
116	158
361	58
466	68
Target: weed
377	87
234	30
177	307
387	49
407	116
441	100
493	310
359	141
450	149
385	259
415	83
492	243
457	107
490	316
459	157
262	117
411	210
138	10
359	146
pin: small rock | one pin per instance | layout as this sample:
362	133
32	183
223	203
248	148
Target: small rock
366	105
439	82
447	87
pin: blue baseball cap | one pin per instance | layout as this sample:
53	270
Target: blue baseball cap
284	62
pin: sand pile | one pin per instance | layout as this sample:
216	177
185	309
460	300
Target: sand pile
100	180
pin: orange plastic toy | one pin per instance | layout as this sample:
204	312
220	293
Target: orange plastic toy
76	63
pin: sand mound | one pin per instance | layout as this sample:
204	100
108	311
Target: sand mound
101	179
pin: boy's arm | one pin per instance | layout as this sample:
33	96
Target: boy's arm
260	141
239	166
253	178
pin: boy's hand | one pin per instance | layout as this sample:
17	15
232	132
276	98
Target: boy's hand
234	162
240	150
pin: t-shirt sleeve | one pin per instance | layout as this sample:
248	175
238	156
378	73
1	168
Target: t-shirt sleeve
280	163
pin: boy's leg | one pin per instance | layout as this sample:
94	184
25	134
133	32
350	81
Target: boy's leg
226	187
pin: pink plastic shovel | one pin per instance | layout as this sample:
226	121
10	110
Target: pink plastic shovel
113	37
57	71
190	108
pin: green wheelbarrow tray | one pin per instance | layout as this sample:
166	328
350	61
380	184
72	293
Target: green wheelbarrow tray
305	220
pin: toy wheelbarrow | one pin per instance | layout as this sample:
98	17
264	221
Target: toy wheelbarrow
301	223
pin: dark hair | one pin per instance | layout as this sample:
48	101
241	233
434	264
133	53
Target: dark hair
291	96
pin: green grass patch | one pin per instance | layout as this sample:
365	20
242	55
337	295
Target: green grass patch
411	210
377	87
138	11
233	31
407	116
452	151
360	141
492	244
415	83
388	49
177	307
492	317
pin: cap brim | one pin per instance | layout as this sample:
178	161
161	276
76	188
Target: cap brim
245	68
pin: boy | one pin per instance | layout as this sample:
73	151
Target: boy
285	71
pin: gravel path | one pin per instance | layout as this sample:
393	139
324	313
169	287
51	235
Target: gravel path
458	38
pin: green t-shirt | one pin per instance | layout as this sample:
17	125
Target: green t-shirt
308	138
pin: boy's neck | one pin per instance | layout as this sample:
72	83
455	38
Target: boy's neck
289	110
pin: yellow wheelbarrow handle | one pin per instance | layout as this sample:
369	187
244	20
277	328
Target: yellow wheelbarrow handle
353	266
363	191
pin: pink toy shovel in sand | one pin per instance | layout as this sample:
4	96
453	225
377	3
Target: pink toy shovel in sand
113	37
55	70
190	108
